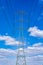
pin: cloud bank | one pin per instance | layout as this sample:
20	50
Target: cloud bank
34	55
9	40
34	31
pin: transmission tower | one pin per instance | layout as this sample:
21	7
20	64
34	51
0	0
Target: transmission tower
21	59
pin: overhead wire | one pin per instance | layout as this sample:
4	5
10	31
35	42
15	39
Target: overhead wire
10	25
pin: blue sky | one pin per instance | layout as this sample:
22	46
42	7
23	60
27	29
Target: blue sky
10	16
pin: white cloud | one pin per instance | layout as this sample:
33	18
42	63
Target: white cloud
7	56
38	44
34	31
9	40
35	60
34	51
34	55
6	52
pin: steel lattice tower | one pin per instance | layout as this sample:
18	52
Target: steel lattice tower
21	59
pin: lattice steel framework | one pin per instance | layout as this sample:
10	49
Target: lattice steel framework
21	59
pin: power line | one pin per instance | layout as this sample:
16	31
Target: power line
11	26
